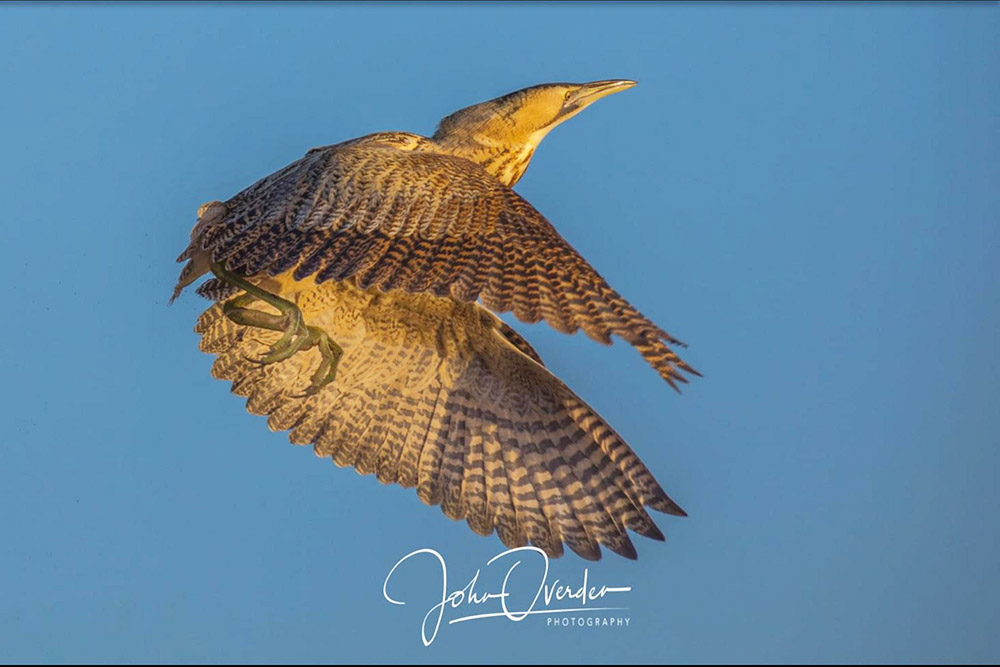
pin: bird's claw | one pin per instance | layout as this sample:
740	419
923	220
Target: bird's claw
295	338
330	354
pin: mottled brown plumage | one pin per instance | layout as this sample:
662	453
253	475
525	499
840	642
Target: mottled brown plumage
384	242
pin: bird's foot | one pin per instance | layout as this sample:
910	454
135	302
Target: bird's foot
330	354
295	337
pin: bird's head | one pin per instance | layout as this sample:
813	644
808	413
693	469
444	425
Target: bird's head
502	134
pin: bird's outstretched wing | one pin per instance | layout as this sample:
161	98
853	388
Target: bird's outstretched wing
435	394
422	222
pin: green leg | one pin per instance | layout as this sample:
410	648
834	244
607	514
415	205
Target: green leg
330	354
297	335
294	328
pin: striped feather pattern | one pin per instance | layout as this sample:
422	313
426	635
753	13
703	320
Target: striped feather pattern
394	212
442	396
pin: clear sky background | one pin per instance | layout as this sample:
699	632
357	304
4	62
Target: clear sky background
809	195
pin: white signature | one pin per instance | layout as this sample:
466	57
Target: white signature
467	595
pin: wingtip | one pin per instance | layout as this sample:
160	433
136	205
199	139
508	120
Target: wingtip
591	552
629	552
653	532
675	510
664	504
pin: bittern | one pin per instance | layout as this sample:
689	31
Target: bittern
355	271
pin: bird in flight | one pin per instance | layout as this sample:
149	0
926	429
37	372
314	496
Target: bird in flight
356	292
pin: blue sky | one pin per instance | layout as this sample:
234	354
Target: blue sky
806	194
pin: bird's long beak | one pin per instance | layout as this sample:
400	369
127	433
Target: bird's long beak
591	92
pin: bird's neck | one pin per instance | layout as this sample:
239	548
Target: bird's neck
505	155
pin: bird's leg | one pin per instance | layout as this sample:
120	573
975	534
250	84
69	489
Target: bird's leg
289	321
330	352
236	310
297	335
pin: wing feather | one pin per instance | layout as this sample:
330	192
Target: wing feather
424	222
443	396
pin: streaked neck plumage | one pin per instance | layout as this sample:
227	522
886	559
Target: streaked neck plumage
505	159
502	143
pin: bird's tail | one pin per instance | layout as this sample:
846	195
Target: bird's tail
209	214
196	267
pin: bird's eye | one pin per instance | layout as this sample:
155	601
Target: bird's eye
567	95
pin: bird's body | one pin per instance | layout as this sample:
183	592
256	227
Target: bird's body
382	245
